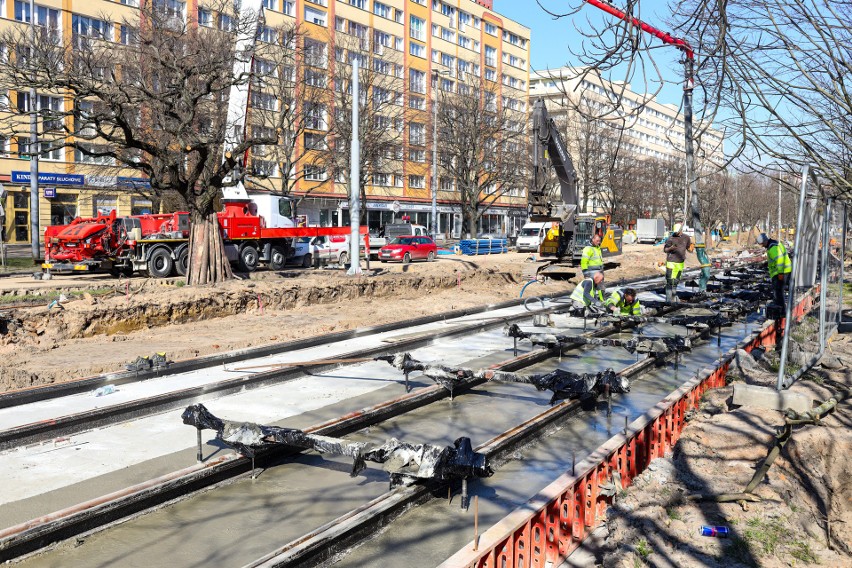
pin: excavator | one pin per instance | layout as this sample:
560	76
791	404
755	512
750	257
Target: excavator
562	247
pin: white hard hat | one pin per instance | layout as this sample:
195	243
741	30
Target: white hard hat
677	227
762	238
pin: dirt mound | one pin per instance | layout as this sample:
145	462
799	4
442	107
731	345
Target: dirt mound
804	516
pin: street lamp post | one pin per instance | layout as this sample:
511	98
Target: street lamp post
435	74
34	213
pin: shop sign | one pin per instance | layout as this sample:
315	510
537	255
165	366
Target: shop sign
49	192
49	178
134	182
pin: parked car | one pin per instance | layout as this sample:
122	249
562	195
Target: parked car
408	248
334	249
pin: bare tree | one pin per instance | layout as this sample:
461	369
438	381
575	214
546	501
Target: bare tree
381	112
155	103
300	156
481	138
774	73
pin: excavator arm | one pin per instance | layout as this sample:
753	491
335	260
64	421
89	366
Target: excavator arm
549	151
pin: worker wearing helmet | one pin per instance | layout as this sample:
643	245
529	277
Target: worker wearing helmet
624	302
675	248
592	259
589	293
779	265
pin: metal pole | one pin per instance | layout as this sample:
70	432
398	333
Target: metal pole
779	205
355	179
842	262
792	292
823	276
435	157
34	216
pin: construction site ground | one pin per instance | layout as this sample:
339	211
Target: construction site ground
106	322
804	517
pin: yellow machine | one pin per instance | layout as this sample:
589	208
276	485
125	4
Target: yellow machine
586	225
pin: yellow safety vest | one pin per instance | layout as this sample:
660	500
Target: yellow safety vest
778	260
624	309
586	298
592	258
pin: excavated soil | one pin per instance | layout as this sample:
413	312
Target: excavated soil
102	323
804	517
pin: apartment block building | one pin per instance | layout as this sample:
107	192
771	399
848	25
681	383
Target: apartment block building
420	46
657	132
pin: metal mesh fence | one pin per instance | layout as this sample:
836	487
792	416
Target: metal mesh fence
817	280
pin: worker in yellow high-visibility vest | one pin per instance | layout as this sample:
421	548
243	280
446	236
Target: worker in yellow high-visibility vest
779	266
675	248
624	302
589	293
592	259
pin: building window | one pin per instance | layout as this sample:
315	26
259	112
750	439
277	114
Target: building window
104	204
270	4
314	78
417	103
361	4
418	28
417	50
84	28
490	29
314	141
417	155
417	81
139	206
288	7
315	173
490	75
491	56
416	182
267	34
264	101
317	17
416	134
382	179
315	53
315	116
205	18
382	10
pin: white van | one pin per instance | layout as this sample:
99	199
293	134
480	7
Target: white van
531	236
325	249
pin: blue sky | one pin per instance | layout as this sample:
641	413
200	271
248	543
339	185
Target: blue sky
551	38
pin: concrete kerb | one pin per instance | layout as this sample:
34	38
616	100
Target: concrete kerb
495	540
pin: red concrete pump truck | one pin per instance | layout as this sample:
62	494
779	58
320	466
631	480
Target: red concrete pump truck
256	228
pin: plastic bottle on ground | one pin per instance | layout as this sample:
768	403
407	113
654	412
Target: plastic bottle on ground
105	390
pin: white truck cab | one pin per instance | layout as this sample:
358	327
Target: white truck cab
275	208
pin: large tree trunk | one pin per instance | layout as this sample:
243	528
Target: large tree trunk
207	261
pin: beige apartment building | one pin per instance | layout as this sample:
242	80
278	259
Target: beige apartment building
656	132
412	41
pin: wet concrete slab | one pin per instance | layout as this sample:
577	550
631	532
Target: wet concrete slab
237	523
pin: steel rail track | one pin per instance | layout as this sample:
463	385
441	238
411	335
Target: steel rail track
95	514
334	537
87	420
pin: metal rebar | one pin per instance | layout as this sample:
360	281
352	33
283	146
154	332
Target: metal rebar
573	462
475	522
465	500
515	347
407	386
199	456
626	418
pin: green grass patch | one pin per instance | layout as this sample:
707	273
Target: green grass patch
51	295
19	263
772	537
643	548
673	514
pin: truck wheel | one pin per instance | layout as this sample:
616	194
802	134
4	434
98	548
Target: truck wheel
307	261
160	263
406	258
182	263
430	257
247	262
344	258
277	257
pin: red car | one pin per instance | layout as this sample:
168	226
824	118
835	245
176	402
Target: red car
409	248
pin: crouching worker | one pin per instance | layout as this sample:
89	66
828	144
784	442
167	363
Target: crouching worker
589	294
624	302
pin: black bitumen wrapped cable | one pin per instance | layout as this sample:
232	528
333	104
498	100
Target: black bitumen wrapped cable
403	461
656	345
447	377
566	385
